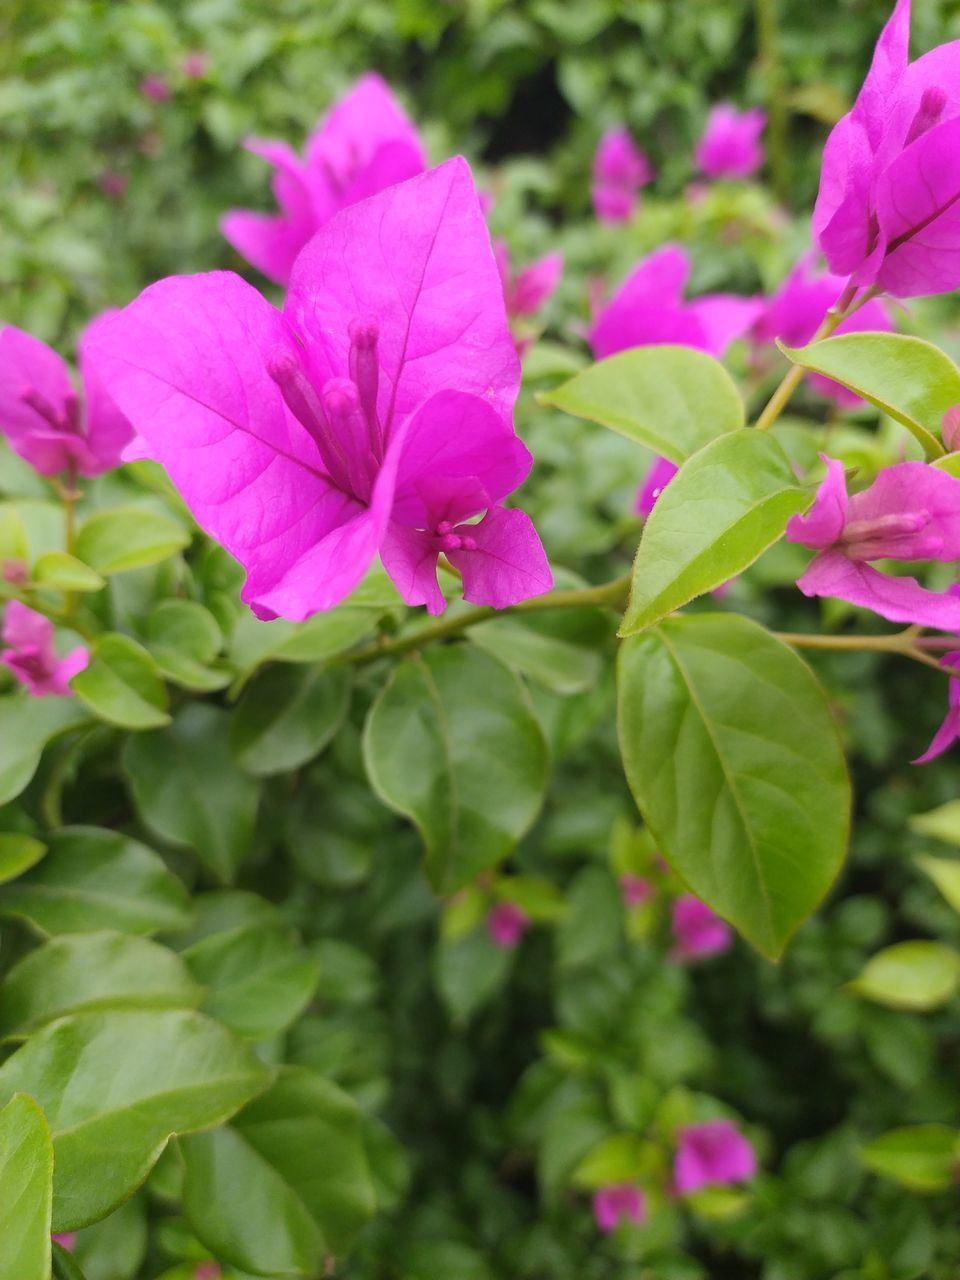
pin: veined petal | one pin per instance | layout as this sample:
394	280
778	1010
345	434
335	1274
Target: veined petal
897	599
823	523
509	563
269	242
108	430
914	487
410	558
28	365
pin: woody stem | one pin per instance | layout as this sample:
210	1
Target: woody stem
904	643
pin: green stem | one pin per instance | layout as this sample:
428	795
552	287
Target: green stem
844	306
771	70
611	594
902	642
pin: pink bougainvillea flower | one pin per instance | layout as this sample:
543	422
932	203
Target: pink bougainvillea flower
658	477
910	512
714	1153
619	1202
113	184
525	291
29	654
155	88
797	309
949	731
67	1240
620	169
207	1271
950	428
635	890
888	211
44	419
506	924
362	146
730	145
195	64
697	931
649	308
373	413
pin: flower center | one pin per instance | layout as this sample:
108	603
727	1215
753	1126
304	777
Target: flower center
932	102
890	536
65	419
449	538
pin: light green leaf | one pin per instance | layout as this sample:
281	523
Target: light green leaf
128	538
945	874
65	573
258	981
102	970
906	377
26	726
286	1183
725	506
188	789
942	823
124	1082
922	1157
18	853
910	975
185	638
122	685
14	543
452	743
623	1157
287	717
674	400
469	971
560	651
26	1188
93	879
734	760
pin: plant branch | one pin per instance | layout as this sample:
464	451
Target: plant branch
611	594
904	643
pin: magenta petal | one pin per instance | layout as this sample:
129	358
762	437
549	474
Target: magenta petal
730	145
944	738
508	564
391	163
724	317
410	558
712	1153
906	488
24	628
76	661
458	436
187	363
918	207
108	430
416	259
28	366
887	67
823	523
658	477
269	242
362	121
535	284
831	573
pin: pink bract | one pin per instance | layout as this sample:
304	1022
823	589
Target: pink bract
44	419
730	145
795	312
374	413
619	1202
711	1154
697	931
364	144
949	731
506	924
910	512
635	889
155	88
30	657
620	169
888	210
66	1240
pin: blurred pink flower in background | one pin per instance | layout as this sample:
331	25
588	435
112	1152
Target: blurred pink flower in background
620	169
112	183
155	88
635	890
619	1202
697	931
30	657
730	144
525	291
797	309
45	421
195	64
714	1153
66	1240
364	144
207	1271
949	731
658	477
506	924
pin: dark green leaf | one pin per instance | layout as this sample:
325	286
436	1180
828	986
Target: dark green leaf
18	853
287	716
26	726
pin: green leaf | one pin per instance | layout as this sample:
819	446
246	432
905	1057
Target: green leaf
734	760
18	853
623	1157
93	879
188	789
26	726
469	971
942	823
26	1189
922	1157
451	742
65	573
945	874
725	506
122	685
908	378
14	543
101	970
286	1183
674	400
910	975
124	1082
128	538
258	980
287	716
184	638
65	1265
